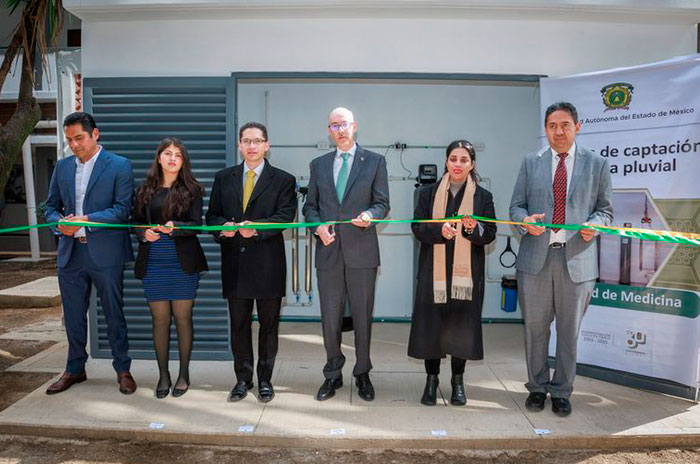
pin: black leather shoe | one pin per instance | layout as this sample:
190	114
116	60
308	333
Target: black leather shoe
163	392
430	393
328	388
347	325
265	391
459	393
561	407
535	401
365	389
240	391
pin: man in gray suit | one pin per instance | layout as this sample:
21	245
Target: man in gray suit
347	183
564	183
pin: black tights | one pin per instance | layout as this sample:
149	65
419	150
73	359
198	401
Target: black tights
432	366
163	312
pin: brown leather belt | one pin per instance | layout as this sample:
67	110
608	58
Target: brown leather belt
82	239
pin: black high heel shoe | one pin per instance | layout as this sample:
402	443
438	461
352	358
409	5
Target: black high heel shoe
163	392
178	392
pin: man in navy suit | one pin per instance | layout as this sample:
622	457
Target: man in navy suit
94	185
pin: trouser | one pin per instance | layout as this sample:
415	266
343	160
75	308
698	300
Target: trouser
543	296
333	285
241	316
75	281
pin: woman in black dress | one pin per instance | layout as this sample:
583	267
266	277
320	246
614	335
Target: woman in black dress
170	259
450	291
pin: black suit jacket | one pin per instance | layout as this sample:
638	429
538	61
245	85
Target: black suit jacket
253	267
189	250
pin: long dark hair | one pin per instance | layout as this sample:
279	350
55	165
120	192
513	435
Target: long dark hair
467	145
183	191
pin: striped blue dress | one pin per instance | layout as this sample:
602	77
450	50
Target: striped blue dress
165	280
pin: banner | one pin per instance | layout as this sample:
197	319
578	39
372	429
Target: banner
645	120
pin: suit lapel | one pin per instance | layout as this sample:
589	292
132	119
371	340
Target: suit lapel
263	183
357	165
579	161
327	168
546	168
71	185
100	165
237	186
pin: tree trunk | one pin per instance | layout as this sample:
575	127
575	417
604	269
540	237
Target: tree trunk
28	112
10	54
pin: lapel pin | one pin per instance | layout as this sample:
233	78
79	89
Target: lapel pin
362	158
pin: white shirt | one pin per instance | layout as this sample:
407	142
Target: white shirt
83	171
560	235
258	170
338	161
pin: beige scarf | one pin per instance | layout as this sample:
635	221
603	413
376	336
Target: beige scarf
462	263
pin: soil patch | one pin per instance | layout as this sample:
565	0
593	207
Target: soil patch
32	450
11	319
16	273
16	385
14	351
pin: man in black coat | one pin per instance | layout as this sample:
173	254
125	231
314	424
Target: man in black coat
253	264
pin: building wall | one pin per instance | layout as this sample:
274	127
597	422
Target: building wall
509	46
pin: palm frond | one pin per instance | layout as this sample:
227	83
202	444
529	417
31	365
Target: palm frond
12	5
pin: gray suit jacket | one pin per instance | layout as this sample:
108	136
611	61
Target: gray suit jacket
588	199
367	190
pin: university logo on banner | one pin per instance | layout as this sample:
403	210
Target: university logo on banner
617	96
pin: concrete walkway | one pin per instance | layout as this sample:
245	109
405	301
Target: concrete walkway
40	293
605	415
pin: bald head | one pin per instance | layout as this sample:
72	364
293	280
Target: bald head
342	127
343	113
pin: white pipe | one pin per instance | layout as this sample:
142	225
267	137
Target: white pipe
267	110
31	198
46	124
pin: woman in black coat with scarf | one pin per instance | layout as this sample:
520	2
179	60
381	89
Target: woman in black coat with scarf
451	267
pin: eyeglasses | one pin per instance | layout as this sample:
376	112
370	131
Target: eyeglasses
252	141
335	127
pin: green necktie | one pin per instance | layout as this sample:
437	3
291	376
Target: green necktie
342	181
248	188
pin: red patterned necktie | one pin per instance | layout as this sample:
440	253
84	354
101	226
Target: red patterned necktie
559	189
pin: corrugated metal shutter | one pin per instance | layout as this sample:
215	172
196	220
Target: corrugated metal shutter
133	115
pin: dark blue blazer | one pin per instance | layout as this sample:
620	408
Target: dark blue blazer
107	199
